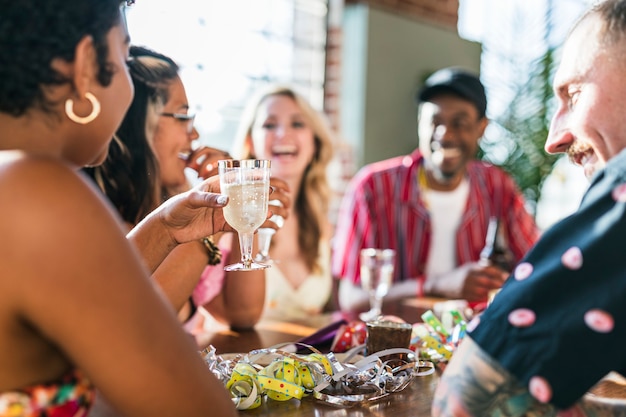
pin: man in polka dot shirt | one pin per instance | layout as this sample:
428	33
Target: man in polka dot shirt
556	327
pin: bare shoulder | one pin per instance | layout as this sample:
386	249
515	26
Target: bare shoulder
55	230
29	179
53	218
44	195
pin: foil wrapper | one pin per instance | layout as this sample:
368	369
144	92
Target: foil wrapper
274	374
433	341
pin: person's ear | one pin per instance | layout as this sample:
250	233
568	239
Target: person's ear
482	125
81	74
85	66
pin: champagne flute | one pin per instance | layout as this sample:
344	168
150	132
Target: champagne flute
377	267
246	183
264	236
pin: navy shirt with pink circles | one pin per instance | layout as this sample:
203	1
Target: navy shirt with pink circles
558	324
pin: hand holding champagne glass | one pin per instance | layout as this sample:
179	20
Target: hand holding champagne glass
246	183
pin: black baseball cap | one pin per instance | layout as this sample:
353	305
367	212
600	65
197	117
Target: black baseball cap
457	81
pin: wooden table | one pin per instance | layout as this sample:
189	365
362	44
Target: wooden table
414	401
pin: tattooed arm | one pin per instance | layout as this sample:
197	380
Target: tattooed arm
474	384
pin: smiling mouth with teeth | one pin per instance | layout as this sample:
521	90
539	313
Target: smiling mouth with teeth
284	150
184	156
445	152
449	152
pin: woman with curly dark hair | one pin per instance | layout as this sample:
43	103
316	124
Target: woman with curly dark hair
79	310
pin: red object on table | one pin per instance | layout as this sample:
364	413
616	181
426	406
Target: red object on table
348	336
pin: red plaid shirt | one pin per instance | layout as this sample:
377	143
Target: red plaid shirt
382	208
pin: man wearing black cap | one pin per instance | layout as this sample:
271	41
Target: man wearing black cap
433	206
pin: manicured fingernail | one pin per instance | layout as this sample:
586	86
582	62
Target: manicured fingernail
222	200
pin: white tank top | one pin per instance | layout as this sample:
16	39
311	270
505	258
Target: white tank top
446	209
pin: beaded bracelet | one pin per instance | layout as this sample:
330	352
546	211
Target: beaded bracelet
214	253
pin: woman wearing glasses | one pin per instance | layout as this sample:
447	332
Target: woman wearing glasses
146	166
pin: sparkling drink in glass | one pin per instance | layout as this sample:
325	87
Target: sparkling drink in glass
377	266
246	183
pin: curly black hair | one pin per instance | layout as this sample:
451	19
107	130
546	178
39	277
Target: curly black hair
34	32
130	176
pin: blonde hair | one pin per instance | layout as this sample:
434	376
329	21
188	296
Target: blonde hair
314	192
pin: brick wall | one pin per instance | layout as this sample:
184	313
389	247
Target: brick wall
342	167
441	12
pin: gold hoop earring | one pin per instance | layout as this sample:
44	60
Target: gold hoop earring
95	110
